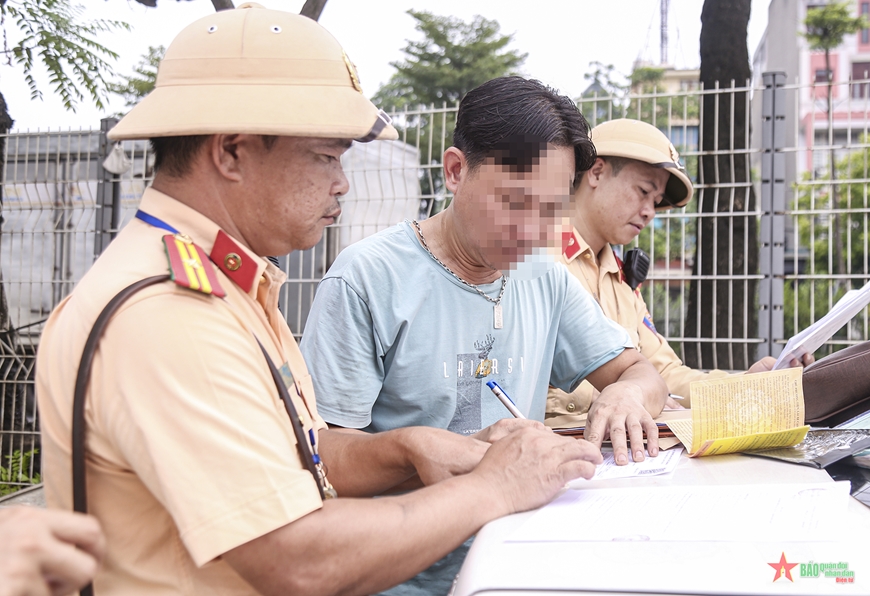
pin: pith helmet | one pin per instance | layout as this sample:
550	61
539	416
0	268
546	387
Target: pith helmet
257	71
644	142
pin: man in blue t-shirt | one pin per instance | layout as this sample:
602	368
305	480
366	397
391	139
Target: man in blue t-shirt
409	325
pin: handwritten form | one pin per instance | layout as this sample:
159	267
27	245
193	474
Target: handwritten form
665	463
744	413
746	513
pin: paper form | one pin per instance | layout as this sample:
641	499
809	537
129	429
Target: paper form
810	339
750	513
744	413
665	463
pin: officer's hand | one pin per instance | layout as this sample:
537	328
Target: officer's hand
529	466
618	412
506	426
763	365
47	552
439	454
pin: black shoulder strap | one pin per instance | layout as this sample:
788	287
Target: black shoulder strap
301	440
79	427
80	494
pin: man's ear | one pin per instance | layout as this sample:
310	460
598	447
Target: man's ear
455	168
227	152
593	174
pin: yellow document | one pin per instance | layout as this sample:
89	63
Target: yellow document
744	413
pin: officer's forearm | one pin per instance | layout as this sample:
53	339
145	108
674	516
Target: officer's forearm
354	546
363	464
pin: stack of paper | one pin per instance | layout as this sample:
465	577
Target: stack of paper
810	339
744	413
751	513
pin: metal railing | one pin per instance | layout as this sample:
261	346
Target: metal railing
764	214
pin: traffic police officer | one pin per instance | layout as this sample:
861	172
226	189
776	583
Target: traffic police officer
637	173
202	482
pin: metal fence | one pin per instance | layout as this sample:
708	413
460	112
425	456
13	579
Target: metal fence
780	241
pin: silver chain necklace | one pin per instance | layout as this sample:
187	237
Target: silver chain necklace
497	316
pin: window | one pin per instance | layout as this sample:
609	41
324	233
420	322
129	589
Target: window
860	74
821	76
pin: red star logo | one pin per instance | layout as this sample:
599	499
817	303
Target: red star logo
783	569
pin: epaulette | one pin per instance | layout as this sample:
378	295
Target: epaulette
189	266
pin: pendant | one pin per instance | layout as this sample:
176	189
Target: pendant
484	369
498	319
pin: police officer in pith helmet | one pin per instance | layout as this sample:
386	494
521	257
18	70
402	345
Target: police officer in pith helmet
191	430
638	172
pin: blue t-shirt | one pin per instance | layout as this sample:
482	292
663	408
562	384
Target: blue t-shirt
394	340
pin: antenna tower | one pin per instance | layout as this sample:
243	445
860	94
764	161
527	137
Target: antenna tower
664	32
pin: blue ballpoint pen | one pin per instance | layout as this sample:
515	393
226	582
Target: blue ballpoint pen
505	399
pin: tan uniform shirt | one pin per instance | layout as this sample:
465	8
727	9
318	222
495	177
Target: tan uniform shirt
625	306
190	451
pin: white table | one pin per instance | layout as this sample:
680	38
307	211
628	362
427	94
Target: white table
495	567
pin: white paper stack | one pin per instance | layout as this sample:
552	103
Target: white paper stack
810	339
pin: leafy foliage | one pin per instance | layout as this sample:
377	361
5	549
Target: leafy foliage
17	472
453	58
77	64
605	97
817	232
135	87
827	25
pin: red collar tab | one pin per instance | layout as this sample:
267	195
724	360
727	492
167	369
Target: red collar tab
188	266
234	261
570	245
619	264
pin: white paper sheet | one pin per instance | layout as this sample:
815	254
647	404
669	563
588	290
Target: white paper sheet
665	463
750	513
810	339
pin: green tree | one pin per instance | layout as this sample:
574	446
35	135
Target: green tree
54	37
141	83
820	233
603	99
826	26
452	58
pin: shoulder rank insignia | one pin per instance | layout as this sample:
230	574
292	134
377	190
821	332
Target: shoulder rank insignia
187	267
620	266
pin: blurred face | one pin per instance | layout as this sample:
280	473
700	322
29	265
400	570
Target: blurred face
293	189
507	214
621	204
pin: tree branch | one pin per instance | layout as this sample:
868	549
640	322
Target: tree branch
312	9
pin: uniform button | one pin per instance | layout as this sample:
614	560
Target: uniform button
233	261
571	407
586	255
262	279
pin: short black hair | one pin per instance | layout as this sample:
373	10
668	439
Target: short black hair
174	155
512	119
617	163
